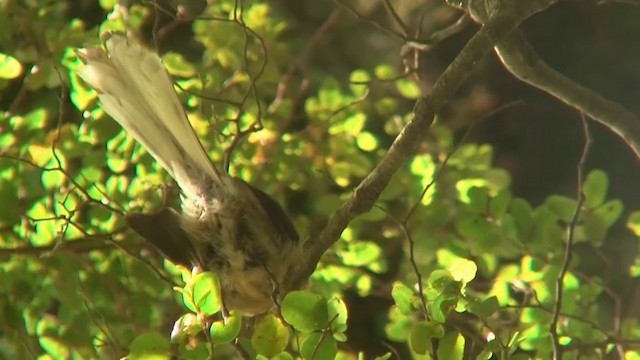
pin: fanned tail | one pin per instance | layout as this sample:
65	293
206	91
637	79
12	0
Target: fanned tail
137	92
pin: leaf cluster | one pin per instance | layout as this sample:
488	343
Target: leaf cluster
465	269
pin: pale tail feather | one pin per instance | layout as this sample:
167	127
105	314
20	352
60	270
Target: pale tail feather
137	92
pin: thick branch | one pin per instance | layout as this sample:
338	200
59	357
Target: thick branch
519	57
521	60
406	143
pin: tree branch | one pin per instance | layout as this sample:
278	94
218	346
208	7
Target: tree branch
75	246
507	17
521	60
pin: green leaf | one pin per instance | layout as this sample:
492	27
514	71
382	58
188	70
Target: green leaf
399	327
633	223
352	125
478	199
386	356
176	65
422	334
634	270
47	331
305	311
367	141
451	347
562	206
204	297
595	188
34	120
595	228
270	336
404	297
318	346
117	164
386	106
610	211
473	226
149	346
53	179
523	215
8	140
54	347
424	167
441	307
463	270
360	253
281	356
408	89
485	354
224	332
337	312
495	346
484	308
442	280
521	356
532	269
359	80
107	4
329	95
515	340
385	72
499	203
10	68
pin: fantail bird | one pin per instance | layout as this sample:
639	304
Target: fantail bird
226	225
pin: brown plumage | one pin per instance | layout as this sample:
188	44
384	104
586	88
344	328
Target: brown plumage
226	225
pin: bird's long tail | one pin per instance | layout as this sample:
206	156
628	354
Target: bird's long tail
137	92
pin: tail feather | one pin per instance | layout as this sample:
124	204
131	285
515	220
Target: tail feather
137	92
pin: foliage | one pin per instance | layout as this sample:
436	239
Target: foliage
469	269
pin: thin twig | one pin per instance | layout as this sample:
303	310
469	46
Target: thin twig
439	35
568	248
363	18
396	17
420	287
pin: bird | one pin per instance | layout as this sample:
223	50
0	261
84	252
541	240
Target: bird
225	225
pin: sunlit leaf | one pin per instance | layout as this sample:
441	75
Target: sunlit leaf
367	141
9	67
451	346
225	331
408	89
633	223
177	66
359	253
359	80
206	293
463	270
385	72
404	297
